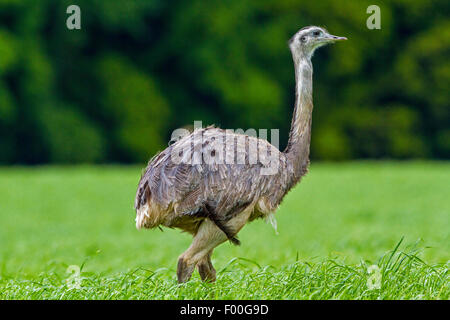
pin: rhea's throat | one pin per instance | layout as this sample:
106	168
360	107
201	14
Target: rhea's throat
297	150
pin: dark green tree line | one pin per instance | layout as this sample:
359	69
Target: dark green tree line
114	90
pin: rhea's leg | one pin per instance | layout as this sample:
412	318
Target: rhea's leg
207	238
206	269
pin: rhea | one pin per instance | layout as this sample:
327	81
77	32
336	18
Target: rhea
194	184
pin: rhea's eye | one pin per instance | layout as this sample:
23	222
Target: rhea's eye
303	39
317	33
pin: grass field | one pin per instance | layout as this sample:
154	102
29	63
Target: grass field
340	220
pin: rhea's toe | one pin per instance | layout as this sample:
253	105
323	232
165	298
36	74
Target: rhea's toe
207	272
184	270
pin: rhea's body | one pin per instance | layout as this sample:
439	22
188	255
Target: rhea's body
175	191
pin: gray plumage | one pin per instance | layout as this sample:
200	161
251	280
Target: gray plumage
211	182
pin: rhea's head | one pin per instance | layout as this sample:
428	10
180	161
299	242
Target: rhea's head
308	39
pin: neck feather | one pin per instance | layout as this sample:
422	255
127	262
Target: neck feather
297	150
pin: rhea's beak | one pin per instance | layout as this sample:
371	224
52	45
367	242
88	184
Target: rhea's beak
330	37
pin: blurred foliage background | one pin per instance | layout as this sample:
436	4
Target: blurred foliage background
116	89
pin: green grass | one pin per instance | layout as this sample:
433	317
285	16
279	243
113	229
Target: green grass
340	220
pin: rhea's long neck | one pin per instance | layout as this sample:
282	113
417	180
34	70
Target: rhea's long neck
297	150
